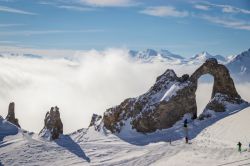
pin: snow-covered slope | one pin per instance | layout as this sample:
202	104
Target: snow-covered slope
239	66
215	144
7	128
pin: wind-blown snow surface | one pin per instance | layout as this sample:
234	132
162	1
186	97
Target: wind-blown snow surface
214	145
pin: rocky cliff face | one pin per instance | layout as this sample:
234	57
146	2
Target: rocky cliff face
149	112
170	98
11	115
53	126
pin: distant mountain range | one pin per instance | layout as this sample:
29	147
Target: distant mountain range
21	55
150	56
238	65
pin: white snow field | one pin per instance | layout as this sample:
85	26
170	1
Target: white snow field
214	142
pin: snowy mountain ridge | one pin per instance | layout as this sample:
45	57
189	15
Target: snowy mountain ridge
203	56
19	55
240	66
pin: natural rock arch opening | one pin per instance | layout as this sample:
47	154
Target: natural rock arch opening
204	92
223	86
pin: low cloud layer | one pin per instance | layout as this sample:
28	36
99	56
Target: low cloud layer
98	81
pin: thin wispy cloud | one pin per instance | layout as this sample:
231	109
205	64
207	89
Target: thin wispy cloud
76	8
228	23
224	8
13	10
44	32
10	25
46	3
202	7
164	11
109	3
7	42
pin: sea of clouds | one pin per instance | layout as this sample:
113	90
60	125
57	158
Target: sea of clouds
91	83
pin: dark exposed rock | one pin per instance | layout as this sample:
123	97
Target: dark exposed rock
94	121
11	114
170	98
53	126
184	78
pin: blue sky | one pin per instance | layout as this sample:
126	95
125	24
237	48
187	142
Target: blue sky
181	26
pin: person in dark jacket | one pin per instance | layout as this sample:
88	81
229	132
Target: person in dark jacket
239	146
185	127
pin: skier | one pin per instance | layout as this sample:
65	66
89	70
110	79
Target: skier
239	146
185	127
249	147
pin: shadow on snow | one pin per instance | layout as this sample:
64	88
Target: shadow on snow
6	129
66	142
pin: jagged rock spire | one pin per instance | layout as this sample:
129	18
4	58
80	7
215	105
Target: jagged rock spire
95	118
11	114
53	126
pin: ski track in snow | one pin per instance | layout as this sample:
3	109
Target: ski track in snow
215	145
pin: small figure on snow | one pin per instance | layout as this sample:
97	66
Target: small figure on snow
239	146
249	147
185	127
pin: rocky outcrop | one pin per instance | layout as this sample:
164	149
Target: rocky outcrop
11	115
165	103
53	126
95	118
223	88
96	122
170	98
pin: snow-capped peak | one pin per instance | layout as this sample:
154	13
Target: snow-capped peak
151	55
239	66
203	56
167	54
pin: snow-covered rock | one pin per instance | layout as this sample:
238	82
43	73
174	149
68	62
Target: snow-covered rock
170	98
11	115
53	126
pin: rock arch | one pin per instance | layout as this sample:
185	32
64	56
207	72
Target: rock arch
170	98
223	86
